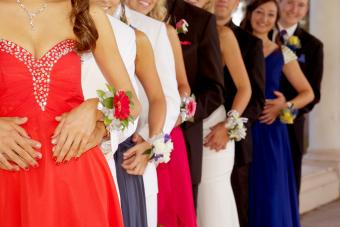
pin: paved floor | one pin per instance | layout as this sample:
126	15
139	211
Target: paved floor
326	216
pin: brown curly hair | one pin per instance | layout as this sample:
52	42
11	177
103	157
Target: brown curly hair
83	25
246	24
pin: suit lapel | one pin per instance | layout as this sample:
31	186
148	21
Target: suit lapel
176	11
300	52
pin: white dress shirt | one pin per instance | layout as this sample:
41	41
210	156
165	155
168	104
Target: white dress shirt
290	31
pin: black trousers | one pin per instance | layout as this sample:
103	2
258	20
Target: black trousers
239	183
296	132
195	192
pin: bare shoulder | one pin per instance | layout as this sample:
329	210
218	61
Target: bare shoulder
141	38
225	33
171	30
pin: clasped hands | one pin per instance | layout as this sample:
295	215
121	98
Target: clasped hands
77	132
272	108
135	161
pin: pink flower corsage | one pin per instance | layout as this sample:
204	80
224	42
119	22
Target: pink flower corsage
182	26
188	108
116	107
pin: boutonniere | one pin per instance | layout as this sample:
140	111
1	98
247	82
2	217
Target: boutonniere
294	43
116	107
182	26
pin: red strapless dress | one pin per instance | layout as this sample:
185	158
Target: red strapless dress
76	194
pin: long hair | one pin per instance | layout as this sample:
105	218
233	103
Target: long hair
252	6
83	25
159	12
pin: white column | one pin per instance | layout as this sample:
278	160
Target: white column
324	121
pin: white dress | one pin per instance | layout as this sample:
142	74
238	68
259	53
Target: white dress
216	205
93	79
165	64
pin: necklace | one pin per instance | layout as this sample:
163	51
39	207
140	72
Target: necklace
31	14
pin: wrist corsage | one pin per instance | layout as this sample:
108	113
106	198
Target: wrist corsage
116	107
235	126
188	108
288	115
161	149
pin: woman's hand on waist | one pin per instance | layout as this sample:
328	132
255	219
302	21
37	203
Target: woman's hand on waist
74	130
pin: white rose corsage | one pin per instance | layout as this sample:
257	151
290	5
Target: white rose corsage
161	149
235	126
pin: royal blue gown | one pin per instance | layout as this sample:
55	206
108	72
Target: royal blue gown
273	198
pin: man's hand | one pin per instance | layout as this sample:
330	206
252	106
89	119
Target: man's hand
97	136
218	138
272	108
16	147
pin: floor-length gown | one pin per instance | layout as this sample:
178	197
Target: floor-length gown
175	199
216	205
273	198
77	193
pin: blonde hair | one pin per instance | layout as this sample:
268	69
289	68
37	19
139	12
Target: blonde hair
159	12
209	6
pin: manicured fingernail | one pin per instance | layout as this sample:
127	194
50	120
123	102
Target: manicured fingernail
37	145
38	155
54	141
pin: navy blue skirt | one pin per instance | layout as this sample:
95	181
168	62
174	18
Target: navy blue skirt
131	190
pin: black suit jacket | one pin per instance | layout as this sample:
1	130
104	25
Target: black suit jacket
252	54
310	57
203	64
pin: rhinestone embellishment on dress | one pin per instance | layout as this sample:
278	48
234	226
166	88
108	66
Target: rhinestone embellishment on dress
41	68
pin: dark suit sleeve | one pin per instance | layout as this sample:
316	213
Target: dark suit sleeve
256	70
210	74
314	75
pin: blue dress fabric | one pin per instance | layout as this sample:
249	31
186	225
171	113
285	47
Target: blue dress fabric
273	198
131	190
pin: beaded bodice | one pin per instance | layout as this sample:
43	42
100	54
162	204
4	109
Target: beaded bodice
40	69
